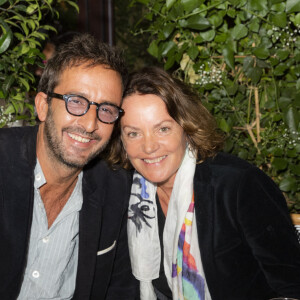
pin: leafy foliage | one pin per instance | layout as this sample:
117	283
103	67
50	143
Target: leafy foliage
24	26
134	47
243	56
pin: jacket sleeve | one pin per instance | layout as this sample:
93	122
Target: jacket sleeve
268	230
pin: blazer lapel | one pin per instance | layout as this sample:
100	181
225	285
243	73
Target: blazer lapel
204	207
89	234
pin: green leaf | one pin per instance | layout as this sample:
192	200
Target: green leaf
277	151
9	80
243	154
231	13
208	35
275	1
153	49
224	125
274	61
6	36
279	19
228	56
279	163
297	19
24	82
221	38
295	169
193	52
292	153
216	20
282	54
168	29
166	47
278	7
234	2
292	6
254	73
280	69
254	25
239	31
170	3
298	84
195	22
292	118
73	4
19	97
9	110
25	28
24	48
261	53
170	62
189	5
232	89
258	5
2	2
248	63
288	184
31	8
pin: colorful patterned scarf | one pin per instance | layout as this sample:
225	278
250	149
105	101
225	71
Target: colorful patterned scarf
192	285
182	262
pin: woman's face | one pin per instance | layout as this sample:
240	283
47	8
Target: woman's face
154	142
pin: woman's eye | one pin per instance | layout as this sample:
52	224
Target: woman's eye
164	129
132	134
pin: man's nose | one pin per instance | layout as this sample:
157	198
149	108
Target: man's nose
89	121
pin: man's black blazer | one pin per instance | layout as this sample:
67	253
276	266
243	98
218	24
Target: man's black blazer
102	222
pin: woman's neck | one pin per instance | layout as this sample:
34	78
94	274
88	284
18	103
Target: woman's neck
164	195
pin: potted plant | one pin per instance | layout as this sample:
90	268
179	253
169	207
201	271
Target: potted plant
243	56
24	25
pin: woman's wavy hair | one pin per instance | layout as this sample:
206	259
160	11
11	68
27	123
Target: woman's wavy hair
183	105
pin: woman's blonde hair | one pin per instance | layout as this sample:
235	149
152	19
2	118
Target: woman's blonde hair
183	105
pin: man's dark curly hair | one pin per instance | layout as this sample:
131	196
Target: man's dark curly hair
84	49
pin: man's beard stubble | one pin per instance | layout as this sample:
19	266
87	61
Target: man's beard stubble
55	146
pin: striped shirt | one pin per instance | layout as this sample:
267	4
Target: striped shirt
53	252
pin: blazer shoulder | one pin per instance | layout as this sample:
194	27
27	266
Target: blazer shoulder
18	143
224	164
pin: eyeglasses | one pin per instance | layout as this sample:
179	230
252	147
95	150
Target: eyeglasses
78	106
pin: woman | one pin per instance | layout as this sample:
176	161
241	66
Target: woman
202	224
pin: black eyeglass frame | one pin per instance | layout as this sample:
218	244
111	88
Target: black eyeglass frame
98	105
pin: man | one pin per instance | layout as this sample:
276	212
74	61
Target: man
62	210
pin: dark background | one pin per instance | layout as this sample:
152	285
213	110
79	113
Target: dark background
113	22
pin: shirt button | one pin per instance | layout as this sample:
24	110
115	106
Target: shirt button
38	177
35	274
46	239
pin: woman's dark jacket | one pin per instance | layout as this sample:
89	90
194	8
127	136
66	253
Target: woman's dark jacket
248	244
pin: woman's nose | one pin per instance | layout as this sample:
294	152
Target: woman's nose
150	144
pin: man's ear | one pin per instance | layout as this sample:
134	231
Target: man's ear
41	106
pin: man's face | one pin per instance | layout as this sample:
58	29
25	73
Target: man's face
75	140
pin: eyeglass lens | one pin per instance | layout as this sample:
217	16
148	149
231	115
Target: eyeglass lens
79	106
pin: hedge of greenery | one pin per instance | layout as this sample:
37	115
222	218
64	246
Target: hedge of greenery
24	26
243	56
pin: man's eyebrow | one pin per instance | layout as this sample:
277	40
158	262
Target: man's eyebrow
86	97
